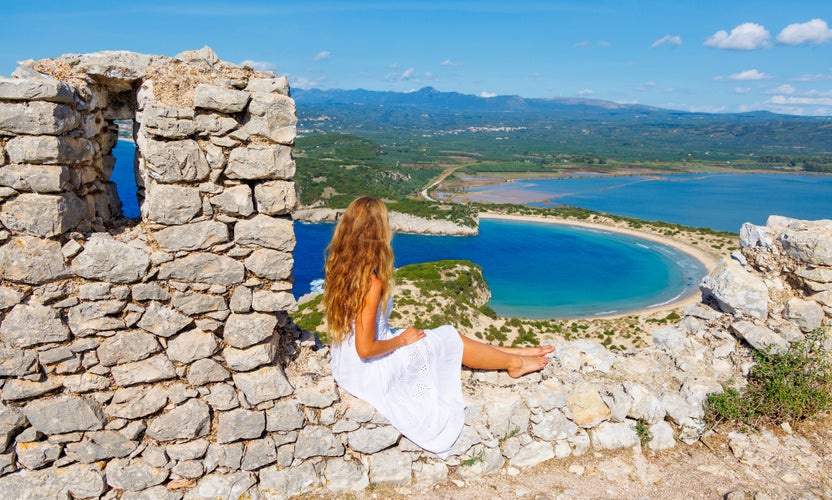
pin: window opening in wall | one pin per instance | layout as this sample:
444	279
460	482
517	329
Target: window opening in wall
123	175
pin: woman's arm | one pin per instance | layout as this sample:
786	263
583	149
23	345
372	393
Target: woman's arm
366	344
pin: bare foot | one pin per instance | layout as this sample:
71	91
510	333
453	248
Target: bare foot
527	351
527	364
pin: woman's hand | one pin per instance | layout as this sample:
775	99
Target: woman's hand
411	335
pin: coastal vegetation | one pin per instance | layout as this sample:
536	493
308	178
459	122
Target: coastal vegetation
787	387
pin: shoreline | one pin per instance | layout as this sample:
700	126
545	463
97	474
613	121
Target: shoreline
708	260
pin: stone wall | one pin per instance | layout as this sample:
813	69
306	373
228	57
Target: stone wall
157	358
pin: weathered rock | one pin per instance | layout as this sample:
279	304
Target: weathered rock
364	440
267	301
175	161
809	241
136	402
17	362
204	268
247	359
127	347
214	124
752	236
133	474
87	318
661	436
49	150
43	215
152	369
646	406
190	420
35	261
275	197
343	476
260	162
106	259
234	200
807	315
231	486
38	178
195	236
239	424
736	290
167	121
37	118
391	467
158	492
553	426
245	330
36	89
103	445
163	321
263	385
270	264
320	394
172	204
77	480
193	303
86	382
285	483
612	436
28	325
205	371
285	415
272	116
587	407
220	99
584	355
192	345
64	414
259	453
35	455
16	389
148	291
760	336
318	441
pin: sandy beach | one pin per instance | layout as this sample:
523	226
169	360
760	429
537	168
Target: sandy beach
708	259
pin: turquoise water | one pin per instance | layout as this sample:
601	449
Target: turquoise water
538	270
721	202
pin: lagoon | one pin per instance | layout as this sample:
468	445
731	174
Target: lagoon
721	202
538	270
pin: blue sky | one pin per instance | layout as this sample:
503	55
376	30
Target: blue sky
705	55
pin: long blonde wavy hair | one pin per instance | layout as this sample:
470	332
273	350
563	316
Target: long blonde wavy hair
360	247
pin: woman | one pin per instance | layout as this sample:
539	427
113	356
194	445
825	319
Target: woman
411	376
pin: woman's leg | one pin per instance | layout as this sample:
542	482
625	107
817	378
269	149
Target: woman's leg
527	351
486	357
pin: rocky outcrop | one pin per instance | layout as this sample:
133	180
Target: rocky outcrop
399	222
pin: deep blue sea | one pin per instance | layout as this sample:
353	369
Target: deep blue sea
539	270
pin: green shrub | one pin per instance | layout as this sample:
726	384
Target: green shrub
781	387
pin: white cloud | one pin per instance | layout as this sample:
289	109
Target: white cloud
782	89
487	95
815	31
585	92
646	86
324	54
303	82
747	75
667	39
450	64
603	43
742	90
812	77
706	108
581	45
405	75
747	36
259	65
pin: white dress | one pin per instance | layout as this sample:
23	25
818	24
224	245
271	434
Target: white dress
416	387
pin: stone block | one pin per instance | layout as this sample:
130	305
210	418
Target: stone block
270	264
25	259
43	215
33	324
195	236
126	347
239	424
64	414
235	200
152	369
36	89
171	204
106	259
266	231
136	402
260	162
37	118
220	99
272	116
275	197
204	267
49	150
190	420
38	178
265	384
174	161
192	345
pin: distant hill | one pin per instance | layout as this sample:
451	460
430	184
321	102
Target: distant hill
578	124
